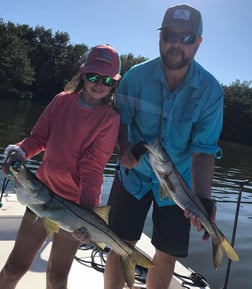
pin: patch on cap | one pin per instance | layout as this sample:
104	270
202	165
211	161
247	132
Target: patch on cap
181	14
185	16
104	56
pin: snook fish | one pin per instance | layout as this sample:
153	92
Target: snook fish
70	217
173	186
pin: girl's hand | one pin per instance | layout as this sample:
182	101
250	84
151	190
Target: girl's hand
82	235
13	155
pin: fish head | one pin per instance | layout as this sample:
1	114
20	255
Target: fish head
159	160
29	190
162	167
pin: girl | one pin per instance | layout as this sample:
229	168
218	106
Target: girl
78	132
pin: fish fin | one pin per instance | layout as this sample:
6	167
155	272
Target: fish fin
128	268
129	263
166	189
99	245
163	193
103	212
50	226
141	259
217	255
223	247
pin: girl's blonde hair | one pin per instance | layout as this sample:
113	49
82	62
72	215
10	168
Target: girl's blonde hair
76	84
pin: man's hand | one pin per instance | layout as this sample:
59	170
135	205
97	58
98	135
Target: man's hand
131	154
127	158
195	221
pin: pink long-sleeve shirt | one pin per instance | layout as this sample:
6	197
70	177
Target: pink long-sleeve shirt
77	143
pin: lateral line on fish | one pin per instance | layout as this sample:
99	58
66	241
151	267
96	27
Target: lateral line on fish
185	198
185	187
90	223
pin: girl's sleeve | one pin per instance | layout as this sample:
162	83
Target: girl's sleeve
36	141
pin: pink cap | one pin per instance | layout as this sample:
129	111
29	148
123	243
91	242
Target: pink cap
104	60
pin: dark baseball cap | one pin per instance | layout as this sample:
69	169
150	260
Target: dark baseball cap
185	16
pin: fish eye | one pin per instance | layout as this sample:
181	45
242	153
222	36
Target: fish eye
16	166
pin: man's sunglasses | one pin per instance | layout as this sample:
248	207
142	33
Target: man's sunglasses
186	38
95	78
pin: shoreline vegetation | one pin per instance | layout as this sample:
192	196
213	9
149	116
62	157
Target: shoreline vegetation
41	63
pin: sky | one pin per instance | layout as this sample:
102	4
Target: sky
131	27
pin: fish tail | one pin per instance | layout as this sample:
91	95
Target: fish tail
141	259
223	247
129	263
128	268
229	250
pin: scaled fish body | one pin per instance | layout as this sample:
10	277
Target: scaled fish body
70	217
173	186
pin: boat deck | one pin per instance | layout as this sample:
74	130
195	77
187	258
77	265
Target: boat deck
10	218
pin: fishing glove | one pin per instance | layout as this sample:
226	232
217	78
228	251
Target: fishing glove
12	153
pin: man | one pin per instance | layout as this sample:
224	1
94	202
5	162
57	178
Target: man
174	99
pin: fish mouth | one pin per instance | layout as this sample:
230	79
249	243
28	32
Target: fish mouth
15	168
156	151
151	149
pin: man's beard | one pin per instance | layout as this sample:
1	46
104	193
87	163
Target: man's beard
169	56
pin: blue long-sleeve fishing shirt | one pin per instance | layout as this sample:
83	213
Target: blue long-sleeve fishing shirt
187	120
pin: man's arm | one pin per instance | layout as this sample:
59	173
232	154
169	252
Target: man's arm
126	157
202	176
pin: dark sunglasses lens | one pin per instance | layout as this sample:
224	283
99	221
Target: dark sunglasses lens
108	81
188	38
185	38
92	77
168	36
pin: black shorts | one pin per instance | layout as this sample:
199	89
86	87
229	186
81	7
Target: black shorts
171	228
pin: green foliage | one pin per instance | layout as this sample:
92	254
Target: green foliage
237	125
127	61
16	72
36	64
